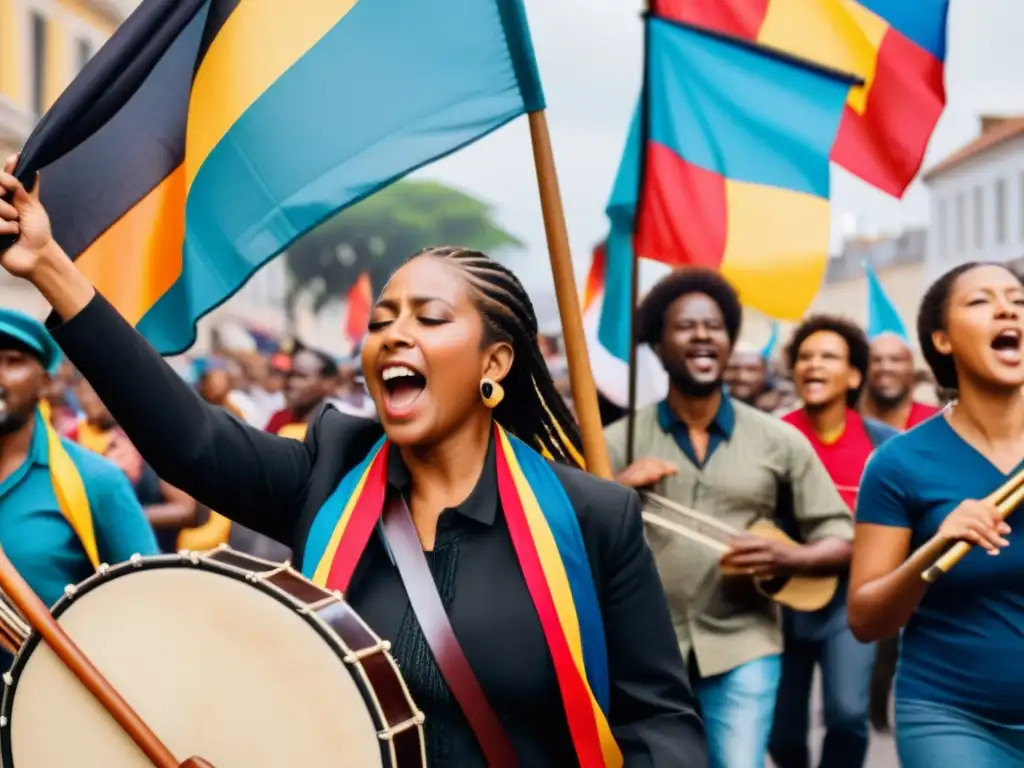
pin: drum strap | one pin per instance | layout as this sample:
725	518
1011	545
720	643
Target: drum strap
437	629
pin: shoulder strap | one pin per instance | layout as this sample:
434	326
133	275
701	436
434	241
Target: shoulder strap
437	629
70	491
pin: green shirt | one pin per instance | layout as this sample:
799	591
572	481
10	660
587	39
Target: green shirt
725	622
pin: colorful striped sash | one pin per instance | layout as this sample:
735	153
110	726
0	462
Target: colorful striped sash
546	536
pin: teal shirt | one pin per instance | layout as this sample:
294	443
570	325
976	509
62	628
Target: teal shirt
38	539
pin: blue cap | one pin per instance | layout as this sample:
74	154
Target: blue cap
204	365
33	334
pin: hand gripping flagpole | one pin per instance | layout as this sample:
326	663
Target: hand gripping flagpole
584	392
39	618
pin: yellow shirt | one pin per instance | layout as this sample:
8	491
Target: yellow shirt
296	431
94	439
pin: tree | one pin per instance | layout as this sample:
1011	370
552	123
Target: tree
378	234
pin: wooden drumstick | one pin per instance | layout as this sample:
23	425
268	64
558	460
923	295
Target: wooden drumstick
1006	499
39	617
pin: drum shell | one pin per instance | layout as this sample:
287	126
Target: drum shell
246	664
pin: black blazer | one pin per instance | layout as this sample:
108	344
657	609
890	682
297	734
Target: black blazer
276	486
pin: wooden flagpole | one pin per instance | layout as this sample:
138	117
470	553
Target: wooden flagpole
634	342
634	287
584	392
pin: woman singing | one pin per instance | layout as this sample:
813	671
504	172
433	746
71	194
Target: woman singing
467	409
960	677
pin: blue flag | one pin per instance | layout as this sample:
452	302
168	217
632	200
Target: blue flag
882	315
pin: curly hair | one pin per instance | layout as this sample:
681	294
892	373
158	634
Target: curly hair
532	409
650	315
857	347
932	317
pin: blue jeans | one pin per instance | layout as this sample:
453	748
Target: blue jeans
846	666
930	734
738	707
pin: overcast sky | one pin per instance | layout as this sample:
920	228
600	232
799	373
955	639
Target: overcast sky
590	54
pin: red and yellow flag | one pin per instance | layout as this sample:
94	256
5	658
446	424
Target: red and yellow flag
897	48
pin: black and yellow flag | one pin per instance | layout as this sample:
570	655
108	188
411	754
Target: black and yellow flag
208	135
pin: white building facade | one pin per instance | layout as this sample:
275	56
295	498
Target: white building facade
977	200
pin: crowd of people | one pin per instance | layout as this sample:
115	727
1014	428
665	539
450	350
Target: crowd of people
275	391
726	441
592	641
279	389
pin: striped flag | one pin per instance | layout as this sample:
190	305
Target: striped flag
208	135
608	302
898	48
736	174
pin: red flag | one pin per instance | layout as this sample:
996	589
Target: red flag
595	277
360	299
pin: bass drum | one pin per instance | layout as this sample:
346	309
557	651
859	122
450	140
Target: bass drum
237	660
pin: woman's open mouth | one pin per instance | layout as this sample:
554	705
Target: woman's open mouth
1007	346
401	388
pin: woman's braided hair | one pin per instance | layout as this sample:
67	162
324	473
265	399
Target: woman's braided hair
532	410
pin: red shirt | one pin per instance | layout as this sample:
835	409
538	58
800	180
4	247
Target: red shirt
919	412
278	420
845	458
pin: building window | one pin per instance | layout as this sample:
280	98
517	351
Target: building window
1020	205
942	230
85	52
979	217
38	37
1000	204
961	223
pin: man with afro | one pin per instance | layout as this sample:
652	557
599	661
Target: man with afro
726	459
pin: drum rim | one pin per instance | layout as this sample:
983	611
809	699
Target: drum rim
184	560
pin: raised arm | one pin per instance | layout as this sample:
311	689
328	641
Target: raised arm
245	474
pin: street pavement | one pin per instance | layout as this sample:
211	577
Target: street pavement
882	750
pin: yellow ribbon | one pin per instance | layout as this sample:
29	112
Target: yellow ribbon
69	488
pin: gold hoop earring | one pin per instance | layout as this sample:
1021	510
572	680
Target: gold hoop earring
491	392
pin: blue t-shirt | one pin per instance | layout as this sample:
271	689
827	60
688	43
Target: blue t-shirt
963	645
38	539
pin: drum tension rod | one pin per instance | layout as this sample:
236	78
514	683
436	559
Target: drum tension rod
355	656
413	722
